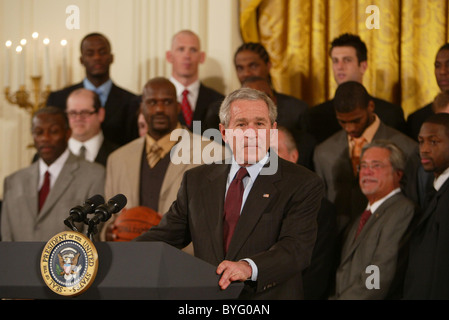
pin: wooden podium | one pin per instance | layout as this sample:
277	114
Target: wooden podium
126	271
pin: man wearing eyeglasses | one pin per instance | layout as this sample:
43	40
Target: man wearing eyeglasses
85	118
336	159
379	235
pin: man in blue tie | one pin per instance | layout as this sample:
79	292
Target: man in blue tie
120	123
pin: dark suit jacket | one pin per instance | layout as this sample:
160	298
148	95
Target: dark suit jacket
427	275
333	165
107	147
416	119
321	120
120	122
206	97
277	227
319	277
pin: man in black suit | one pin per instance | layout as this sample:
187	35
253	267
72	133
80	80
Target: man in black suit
275	219
416	119
185	56
85	118
427	275
252	59
349	63
120	123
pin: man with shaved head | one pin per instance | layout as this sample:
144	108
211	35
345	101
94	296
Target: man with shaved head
143	169
186	56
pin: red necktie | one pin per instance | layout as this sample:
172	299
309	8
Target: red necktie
186	109
45	189
364	218
233	204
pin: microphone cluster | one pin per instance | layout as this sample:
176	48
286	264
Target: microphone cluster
95	205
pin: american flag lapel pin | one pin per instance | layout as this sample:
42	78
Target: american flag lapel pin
266	195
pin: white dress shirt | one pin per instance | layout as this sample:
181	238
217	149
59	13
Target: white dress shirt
54	169
194	90
92	146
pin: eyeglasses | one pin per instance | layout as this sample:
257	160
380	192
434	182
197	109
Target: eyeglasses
83	114
375	166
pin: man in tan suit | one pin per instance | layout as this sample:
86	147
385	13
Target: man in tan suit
372	258
152	178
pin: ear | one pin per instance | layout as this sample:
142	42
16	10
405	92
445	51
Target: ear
222	129
202	56
363	66
168	56
371	106
68	134
101	114
81	60
294	156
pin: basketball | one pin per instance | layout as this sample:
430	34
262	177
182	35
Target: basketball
132	222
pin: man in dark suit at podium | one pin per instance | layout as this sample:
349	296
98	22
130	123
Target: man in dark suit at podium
349	63
120	123
259	227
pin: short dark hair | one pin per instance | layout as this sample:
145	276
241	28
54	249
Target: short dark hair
95	34
255	47
440	119
351	40
443	47
53	111
350	96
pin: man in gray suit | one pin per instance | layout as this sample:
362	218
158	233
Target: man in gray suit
29	215
336	159
378	237
274	222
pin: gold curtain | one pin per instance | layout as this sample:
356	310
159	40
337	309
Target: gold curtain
401	53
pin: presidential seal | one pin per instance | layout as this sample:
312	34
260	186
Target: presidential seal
69	263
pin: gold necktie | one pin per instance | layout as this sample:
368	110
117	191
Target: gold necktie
356	151
154	155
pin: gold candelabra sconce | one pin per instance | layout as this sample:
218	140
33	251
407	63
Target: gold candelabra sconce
22	97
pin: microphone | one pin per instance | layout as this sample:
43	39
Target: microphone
103	212
79	213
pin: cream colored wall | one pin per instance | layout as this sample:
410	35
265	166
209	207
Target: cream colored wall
140	32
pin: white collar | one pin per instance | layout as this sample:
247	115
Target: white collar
54	169
194	89
92	145
438	182
379	202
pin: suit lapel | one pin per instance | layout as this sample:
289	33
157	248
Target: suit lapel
213	194
61	184
201	105
262	191
31	188
353	244
433	203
